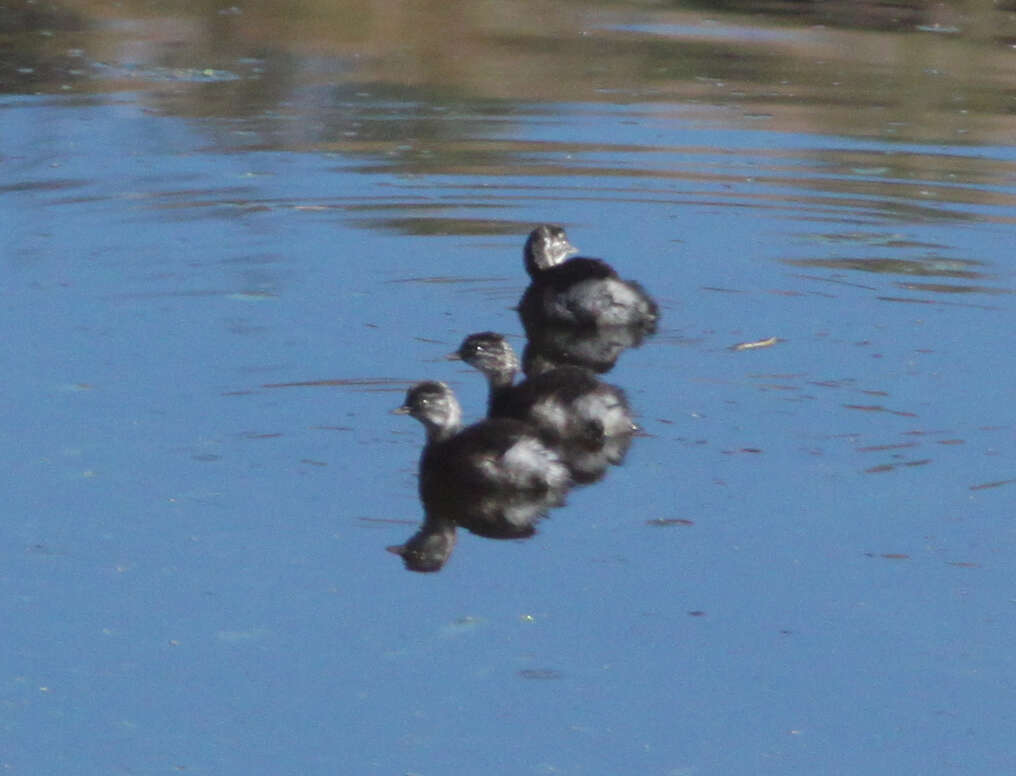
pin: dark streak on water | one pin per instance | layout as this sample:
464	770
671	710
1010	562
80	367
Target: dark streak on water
540	673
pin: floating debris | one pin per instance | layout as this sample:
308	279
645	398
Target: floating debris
766	343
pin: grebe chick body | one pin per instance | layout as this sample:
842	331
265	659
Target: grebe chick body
565	403
478	476
579	291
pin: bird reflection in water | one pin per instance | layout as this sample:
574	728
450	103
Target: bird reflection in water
595	348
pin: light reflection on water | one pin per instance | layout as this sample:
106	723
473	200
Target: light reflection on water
237	235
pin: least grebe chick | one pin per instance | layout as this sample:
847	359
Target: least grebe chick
565	403
436	407
546	247
579	291
476	476
491	354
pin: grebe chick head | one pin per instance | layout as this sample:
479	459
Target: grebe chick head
435	406
546	247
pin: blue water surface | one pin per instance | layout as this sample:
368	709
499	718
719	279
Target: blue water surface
804	566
